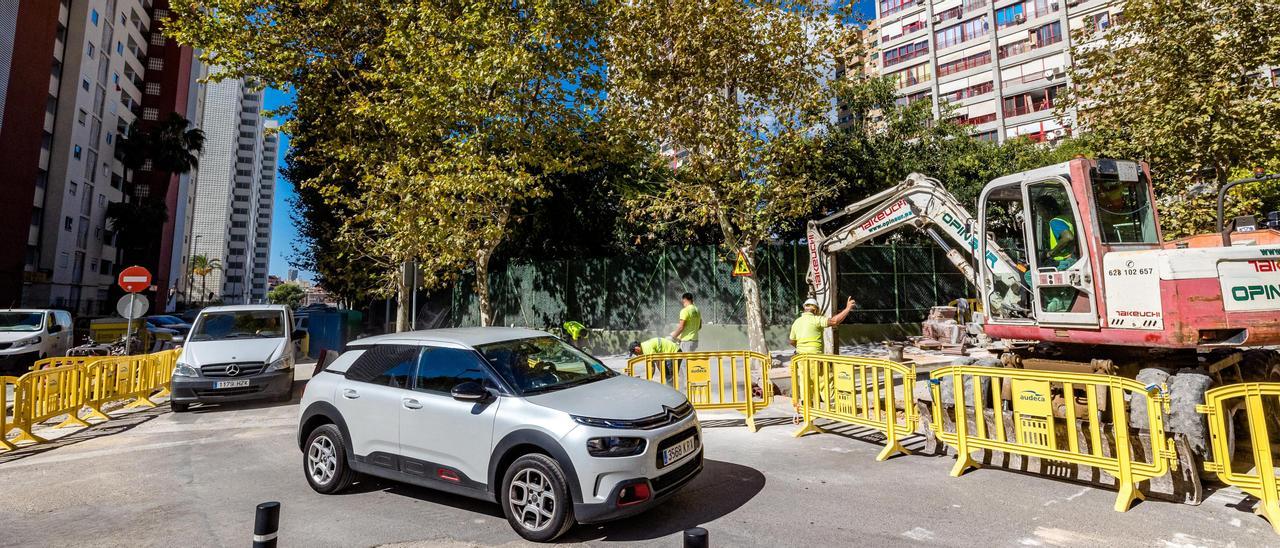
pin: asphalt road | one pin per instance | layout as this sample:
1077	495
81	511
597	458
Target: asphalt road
156	478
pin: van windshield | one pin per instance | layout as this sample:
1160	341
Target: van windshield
239	324
21	321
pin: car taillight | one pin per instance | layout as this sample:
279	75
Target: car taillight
633	494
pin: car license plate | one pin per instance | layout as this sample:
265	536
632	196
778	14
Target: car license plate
231	384
680	450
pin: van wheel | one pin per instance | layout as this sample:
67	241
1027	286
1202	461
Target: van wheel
325	461
179	407
535	498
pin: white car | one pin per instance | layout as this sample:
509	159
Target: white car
513	416
27	335
236	353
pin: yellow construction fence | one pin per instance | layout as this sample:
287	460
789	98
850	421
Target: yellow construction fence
1049	409
1259	479
711	380
859	391
53	390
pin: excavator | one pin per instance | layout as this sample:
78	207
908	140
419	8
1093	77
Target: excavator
1073	274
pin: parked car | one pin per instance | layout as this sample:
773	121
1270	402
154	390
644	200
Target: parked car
165	321
508	415
235	353
27	335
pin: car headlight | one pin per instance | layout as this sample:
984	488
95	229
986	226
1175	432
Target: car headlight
184	370
26	342
281	364
614	446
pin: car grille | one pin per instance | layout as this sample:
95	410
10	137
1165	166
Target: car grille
219	370
679	476
239	391
669	417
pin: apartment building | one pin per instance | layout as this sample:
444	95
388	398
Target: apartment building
236	186
996	66
859	56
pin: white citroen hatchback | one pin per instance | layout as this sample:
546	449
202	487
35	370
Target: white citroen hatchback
514	416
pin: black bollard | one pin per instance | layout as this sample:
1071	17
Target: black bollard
266	525
696	538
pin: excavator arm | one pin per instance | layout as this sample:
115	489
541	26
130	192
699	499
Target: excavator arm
921	202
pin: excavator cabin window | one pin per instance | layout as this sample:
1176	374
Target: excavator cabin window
1125	215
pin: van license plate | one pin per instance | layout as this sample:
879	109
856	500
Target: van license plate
231	384
680	450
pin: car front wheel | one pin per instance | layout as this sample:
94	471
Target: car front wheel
325	461
536	498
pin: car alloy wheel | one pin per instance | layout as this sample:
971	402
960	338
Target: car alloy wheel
532	500
322	460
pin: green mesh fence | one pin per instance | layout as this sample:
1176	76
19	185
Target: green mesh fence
892	284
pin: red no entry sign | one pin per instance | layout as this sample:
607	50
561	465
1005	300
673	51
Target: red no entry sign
134	279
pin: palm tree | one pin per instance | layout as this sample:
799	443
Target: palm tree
203	266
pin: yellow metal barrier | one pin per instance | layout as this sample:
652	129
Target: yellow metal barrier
856	391
711	380
1048	406
7	409
49	363
1261	481
42	395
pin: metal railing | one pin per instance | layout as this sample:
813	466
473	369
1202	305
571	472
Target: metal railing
1260	481
711	380
859	391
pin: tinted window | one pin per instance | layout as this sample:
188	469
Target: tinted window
388	364
441	369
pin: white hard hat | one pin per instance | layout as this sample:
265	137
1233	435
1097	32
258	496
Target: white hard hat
813	302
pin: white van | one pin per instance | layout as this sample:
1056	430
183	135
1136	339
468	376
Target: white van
27	335
235	353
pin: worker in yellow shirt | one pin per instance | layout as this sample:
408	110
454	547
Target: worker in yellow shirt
806	335
686	332
808	329
657	345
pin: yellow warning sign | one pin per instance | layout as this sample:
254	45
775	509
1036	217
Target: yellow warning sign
741	268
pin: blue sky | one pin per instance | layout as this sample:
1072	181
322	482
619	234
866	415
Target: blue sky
284	235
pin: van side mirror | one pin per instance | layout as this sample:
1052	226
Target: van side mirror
470	391
178	339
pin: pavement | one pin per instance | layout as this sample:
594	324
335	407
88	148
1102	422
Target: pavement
155	478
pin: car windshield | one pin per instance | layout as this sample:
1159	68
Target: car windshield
21	321
543	364
239	324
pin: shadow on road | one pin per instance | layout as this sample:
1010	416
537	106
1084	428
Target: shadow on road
742	422
917	444
368	484
116	425
719	490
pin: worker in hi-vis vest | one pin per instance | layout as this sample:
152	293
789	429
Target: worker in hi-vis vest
808	329
657	345
1061	233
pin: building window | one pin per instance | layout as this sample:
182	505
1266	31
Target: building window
1046	35
1098	22
84	84
961	33
64	259
75	151
990	136
1045	7
82	117
914	75
106	268
157	39
109	136
959	65
1032	101
67	223
1010	16
93	16
239	211
894	6
150	113
90	50
905	52
71	188
155	63
246	147
119	50
971	91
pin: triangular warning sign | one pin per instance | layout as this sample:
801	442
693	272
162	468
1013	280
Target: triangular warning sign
741	268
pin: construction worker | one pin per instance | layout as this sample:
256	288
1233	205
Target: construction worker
807	330
657	345
686	332
1061	233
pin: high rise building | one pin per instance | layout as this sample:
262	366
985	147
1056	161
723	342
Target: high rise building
857	57
999	65
236	181
74	77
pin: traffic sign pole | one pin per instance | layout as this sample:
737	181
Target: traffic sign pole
128	332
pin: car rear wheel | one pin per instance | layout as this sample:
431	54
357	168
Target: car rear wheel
536	498
325	461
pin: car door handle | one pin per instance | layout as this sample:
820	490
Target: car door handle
410	403
350	394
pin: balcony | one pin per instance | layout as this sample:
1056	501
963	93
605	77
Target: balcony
976	121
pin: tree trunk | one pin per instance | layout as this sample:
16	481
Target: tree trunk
755	310
403	297
482	286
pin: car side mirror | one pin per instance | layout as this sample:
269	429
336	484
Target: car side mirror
298	334
55	328
470	391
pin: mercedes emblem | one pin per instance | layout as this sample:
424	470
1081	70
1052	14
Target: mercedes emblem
233	370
